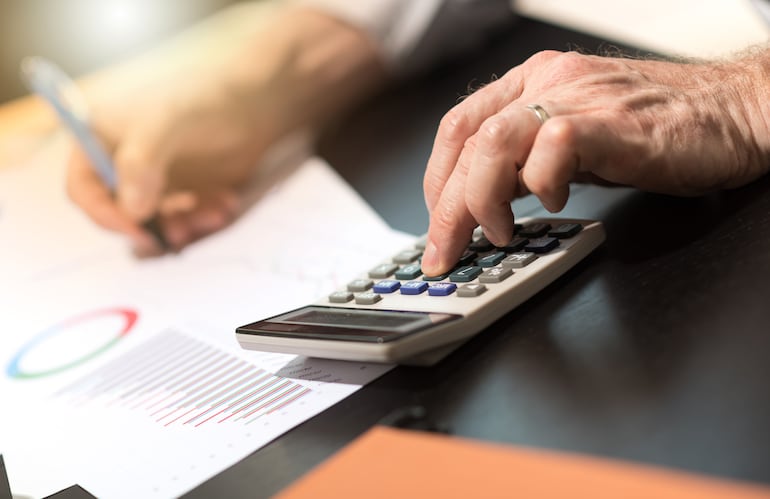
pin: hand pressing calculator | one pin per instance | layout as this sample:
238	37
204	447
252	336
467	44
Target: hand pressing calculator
394	314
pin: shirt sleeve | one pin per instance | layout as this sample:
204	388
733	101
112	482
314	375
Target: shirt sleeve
417	34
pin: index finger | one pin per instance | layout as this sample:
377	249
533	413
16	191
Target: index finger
459	125
87	190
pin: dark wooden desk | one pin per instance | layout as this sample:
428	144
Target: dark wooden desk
655	349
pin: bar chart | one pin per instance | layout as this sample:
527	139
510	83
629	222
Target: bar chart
175	379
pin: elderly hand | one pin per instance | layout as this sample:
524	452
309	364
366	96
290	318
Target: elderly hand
666	127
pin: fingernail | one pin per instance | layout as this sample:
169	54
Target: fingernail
429	258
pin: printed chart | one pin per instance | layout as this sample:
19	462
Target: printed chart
123	319
124	376
177	380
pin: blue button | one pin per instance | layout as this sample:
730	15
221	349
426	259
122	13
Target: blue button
442	289
386	286
413	287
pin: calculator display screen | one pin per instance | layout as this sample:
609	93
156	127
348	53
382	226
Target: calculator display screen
371	326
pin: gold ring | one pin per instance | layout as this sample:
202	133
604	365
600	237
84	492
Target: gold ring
541	113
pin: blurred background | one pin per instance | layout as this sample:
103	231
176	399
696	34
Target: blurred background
82	35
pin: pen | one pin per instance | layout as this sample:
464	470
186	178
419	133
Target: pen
51	83
5	487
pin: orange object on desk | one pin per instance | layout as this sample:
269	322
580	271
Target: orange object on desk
391	463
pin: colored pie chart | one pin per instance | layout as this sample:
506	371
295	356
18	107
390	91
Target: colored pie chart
71	343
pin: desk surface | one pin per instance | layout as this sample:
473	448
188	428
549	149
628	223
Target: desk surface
654	349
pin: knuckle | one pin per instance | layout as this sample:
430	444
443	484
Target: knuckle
543	56
561	133
493	133
479	206
571	62
443	222
454	124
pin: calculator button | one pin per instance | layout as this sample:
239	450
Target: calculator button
340	297
470	290
409	272
535	230
367	298
439	277
360	285
386	286
383	270
421	243
467	258
518	260
497	274
465	274
517	228
490	260
565	231
542	244
481	245
407	256
442	289
516	244
413	287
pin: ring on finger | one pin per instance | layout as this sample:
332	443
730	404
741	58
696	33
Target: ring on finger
540	112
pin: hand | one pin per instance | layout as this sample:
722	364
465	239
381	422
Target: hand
187	132
666	127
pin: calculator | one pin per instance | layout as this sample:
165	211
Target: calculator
392	313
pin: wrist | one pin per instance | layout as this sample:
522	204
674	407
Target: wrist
754	94
303	68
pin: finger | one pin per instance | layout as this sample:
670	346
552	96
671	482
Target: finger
142	163
451	223
209	215
573	147
503	144
87	190
458	125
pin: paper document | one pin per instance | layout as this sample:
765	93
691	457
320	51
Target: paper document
689	28
124	376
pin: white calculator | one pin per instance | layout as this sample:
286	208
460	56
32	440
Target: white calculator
393	313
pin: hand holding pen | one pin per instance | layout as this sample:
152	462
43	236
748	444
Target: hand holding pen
132	191
58	90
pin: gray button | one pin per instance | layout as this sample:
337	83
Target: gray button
409	272
367	298
360	285
340	297
407	256
471	290
518	260
496	274
383	270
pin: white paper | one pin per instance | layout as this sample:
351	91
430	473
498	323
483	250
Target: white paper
153	407
691	28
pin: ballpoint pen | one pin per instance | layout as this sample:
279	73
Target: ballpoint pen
51	83
5	488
